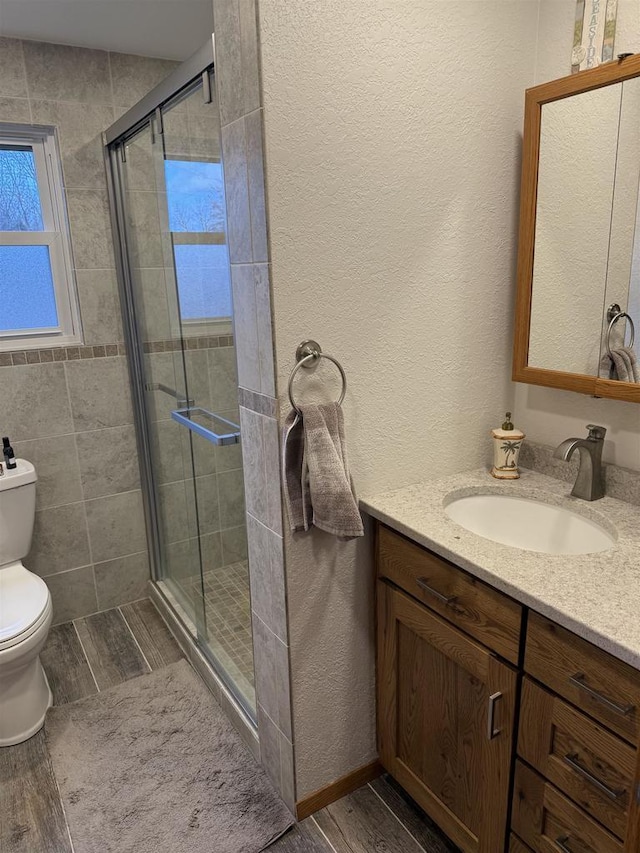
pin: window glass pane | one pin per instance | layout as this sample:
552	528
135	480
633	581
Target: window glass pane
194	195
204	288
20	208
27	298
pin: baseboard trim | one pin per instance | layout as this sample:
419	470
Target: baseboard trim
340	788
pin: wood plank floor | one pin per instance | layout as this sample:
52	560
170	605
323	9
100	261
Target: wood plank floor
89	655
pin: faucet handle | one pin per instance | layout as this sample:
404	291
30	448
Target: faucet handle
596	433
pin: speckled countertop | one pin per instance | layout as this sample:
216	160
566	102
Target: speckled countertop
595	595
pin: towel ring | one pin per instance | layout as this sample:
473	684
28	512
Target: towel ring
308	354
614	314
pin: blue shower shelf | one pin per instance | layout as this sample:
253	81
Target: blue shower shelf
186	417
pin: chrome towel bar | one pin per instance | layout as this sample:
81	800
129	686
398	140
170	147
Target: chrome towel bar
308	354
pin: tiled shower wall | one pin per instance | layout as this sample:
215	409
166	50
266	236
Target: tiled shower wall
238	86
69	411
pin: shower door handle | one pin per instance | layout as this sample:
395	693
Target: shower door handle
182	400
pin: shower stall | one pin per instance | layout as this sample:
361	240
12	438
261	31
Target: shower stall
168	209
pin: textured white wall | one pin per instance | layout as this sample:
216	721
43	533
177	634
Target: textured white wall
545	414
392	135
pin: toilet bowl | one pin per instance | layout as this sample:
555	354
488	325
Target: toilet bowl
25	612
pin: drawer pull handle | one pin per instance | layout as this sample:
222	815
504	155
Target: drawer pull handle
579	681
491	713
561	844
423	583
573	762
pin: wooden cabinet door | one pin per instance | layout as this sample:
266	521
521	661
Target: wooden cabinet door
445	721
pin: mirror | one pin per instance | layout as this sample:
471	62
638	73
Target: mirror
578	304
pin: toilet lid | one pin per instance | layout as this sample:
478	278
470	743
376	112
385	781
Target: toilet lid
23	600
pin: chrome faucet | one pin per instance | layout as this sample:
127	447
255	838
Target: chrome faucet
589	483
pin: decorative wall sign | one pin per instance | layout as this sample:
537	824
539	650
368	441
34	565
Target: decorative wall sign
594	33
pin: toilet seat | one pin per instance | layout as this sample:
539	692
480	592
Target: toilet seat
25	604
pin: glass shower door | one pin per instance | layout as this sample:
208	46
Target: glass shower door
170	175
196	221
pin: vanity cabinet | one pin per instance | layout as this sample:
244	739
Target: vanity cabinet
496	720
446	703
579	731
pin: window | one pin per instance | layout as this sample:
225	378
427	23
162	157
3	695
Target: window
38	300
195	199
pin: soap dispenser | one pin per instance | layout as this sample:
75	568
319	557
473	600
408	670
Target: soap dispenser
507	442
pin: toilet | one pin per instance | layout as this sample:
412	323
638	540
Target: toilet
25	612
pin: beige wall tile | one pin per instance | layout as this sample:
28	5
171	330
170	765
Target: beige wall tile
116	526
266	564
271	449
245	326
108	461
231	491
80	128
223	379
229	74
122	580
99	306
90	229
249	54
60	540
56	464
177	509
269	747
234	544
211	549
14	109
133	77
99	393
73	594
158	303
35	402
254	470
208	508
265	329
255	172
57	72
287	772
237	192
145	243
13	81
271	660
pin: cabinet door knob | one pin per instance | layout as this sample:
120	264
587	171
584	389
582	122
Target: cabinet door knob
491	713
423	583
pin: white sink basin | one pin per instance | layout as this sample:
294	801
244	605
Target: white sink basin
528	524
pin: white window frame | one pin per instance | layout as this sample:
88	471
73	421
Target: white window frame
55	235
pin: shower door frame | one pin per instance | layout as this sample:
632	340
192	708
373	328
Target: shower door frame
199	65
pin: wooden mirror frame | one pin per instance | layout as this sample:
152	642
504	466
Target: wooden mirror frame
584	81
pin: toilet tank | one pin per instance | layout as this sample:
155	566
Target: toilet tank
17	511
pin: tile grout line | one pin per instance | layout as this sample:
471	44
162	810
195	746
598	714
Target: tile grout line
406	829
84	652
64	811
321	831
135	639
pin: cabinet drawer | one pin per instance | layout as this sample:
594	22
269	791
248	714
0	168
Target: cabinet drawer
594	767
598	683
548	822
516	846
482	612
